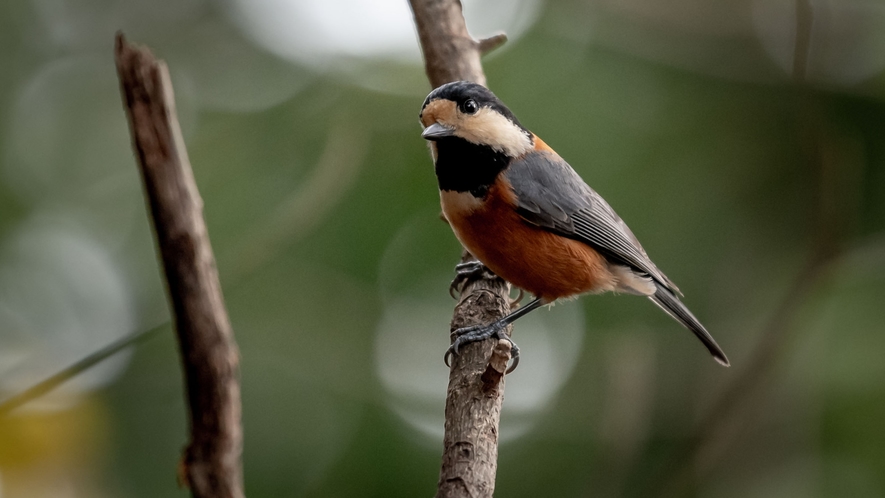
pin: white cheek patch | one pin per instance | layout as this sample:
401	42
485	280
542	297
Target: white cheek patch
488	127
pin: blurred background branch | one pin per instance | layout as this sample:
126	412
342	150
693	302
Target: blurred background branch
335	173
211	465
737	405
44	387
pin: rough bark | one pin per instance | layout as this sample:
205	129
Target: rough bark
475	395
450	53
476	380
211	464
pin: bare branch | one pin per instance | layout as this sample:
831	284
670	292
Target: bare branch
486	45
476	380
474	397
211	464
450	53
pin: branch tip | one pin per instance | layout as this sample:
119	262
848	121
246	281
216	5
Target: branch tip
497	366
486	45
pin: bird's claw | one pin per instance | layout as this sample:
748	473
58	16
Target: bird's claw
463	273
514	355
475	333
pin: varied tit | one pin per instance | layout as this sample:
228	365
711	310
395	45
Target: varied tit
528	217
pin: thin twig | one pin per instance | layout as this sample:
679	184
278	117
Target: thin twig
211	464
486	45
47	385
476	380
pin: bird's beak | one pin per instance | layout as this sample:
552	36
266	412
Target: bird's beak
437	131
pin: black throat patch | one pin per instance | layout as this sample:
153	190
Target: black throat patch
463	166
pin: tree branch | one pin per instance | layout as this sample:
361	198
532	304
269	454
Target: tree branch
476	379
450	53
211	464
486	45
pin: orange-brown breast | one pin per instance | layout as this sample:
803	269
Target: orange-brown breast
545	264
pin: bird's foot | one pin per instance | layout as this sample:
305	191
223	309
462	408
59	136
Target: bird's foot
463	273
476	333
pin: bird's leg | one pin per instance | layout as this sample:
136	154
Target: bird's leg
463	273
466	335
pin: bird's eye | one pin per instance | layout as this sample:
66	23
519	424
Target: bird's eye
469	106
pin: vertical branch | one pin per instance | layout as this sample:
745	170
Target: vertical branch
450	53
211	464
476	383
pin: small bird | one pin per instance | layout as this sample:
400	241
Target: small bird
526	215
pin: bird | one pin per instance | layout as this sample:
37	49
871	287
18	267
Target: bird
528	217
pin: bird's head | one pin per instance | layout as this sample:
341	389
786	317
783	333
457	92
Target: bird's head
471	112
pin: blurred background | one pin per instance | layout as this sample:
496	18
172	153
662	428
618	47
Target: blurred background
742	140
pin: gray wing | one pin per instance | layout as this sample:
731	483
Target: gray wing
552	196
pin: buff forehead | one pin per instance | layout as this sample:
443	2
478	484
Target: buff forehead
486	127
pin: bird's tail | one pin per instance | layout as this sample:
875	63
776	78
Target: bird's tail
668	302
